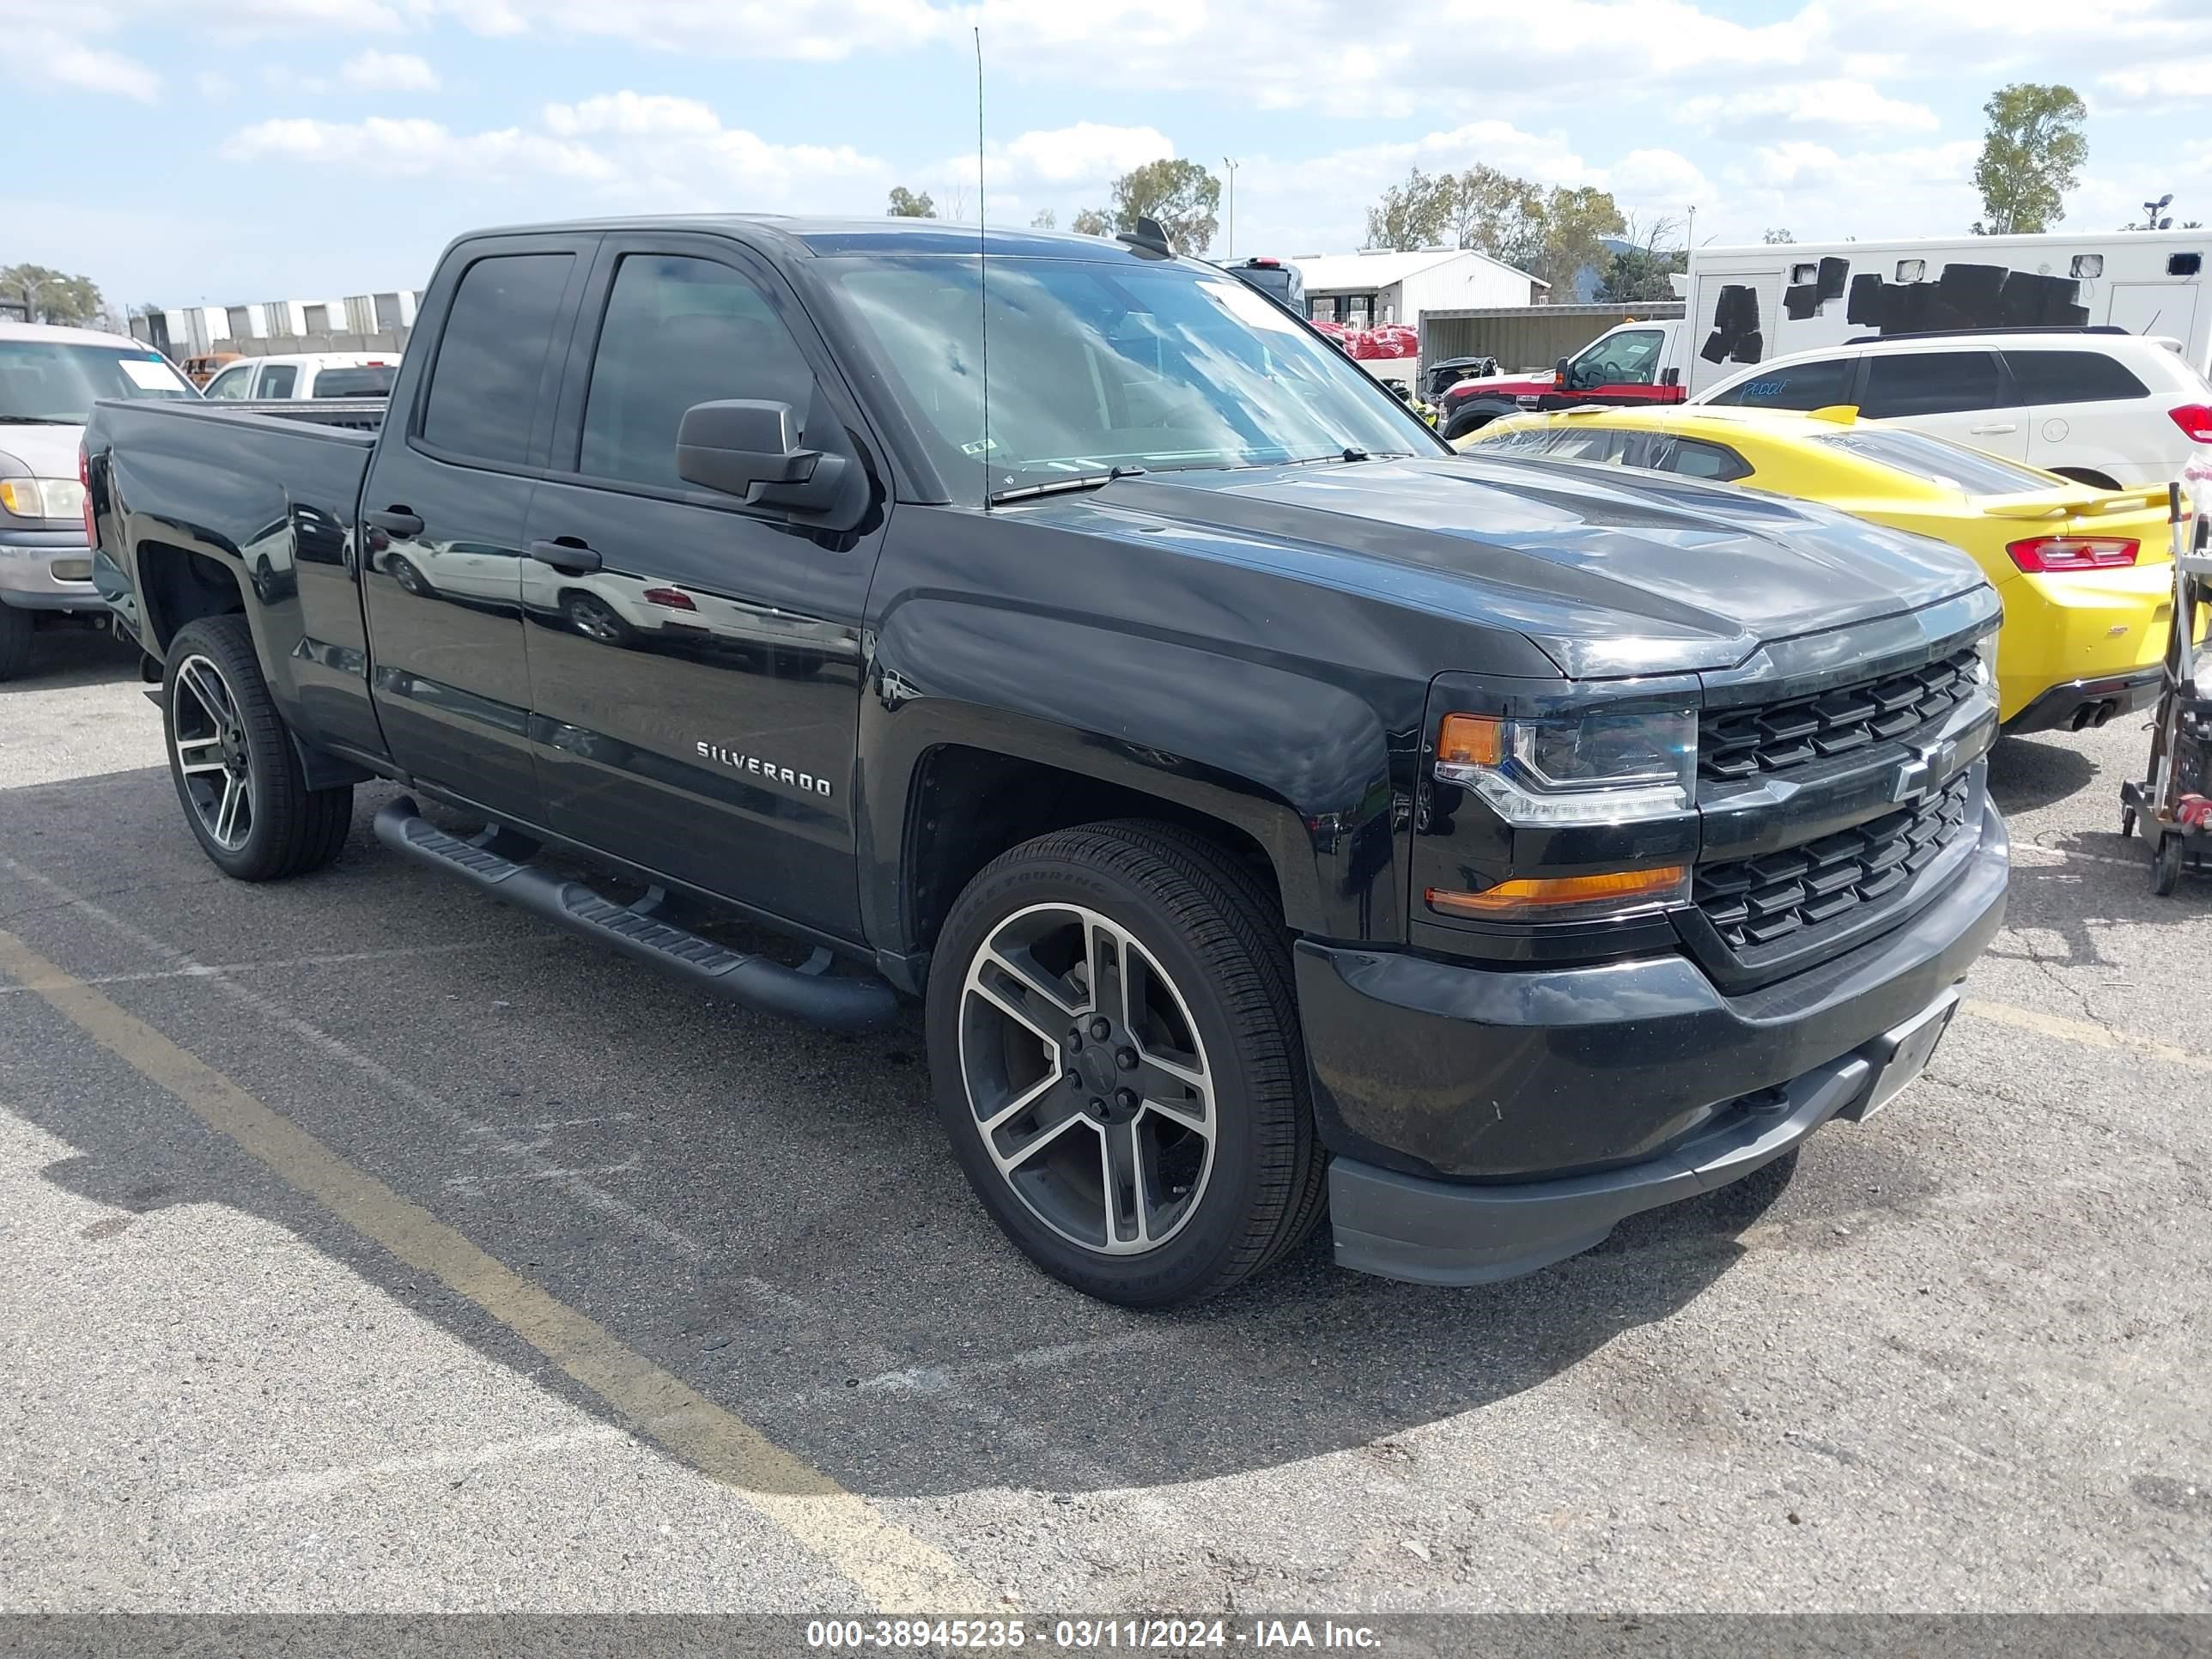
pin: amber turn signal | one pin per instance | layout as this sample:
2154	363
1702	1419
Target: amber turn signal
1613	889
1470	740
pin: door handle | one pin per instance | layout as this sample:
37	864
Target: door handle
1992	431
567	555
395	521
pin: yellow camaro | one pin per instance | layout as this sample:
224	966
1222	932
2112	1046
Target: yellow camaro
2086	574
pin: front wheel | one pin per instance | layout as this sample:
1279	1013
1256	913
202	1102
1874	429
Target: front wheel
234	764
2166	863
1115	1053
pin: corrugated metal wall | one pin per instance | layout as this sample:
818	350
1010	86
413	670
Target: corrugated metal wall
1527	337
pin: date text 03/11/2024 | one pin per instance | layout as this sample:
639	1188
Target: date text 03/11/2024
1088	1635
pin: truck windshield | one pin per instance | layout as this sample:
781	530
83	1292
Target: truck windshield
1096	365
48	383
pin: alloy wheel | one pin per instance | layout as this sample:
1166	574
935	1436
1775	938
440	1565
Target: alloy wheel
212	754
1087	1078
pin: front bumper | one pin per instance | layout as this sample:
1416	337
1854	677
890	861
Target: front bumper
1486	1122
28	581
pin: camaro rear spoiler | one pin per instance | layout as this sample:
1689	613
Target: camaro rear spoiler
2089	503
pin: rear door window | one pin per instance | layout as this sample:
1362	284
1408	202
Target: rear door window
277	380
2071	377
1820	383
491	356
1908	383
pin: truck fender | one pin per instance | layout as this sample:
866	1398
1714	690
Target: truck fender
1208	732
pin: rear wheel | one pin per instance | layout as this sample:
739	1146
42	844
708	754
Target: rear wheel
16	627
1114	1047
232	759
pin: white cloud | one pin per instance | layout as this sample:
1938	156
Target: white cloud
2173	82
388	71
651	151
1655	181
384	145
1084	153
1823	193
1833	103
59	59
214	87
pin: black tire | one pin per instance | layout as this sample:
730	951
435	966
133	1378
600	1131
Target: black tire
2166	863
1467	420
411	581
1212	928
291	829
16	629
2127	823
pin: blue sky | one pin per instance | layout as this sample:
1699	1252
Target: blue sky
253	150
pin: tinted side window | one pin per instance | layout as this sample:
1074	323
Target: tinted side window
1929	383
1821	384
2070	377
1693	458
277	380
680	331
374	381
484	387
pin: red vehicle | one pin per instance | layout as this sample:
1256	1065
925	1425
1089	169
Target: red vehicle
1627	364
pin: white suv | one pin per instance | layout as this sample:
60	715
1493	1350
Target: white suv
2115	409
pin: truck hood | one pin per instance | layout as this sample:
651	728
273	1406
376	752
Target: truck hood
38	451
1608	572
1502	386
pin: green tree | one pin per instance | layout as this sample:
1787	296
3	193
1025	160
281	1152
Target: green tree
1493	212
1180	196
905	205
51	296
1410	215
1576	223
1775	235
1641	273
1046	220
2031	157
1090	222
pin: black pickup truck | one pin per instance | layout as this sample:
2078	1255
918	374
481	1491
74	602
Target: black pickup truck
1275	810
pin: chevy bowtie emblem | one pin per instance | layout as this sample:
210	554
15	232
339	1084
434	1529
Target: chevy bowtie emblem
1924	766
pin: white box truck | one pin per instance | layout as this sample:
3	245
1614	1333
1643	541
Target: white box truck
1748	305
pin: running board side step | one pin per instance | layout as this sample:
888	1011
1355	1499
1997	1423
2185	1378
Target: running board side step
808	993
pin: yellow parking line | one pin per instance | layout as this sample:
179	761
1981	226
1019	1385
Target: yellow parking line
2082	1032
893	1568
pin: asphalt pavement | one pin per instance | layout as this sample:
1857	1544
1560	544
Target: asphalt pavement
372	1247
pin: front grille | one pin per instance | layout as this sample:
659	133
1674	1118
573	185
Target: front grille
1753	903
1734	743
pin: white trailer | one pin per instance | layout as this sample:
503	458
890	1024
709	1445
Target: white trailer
1748	305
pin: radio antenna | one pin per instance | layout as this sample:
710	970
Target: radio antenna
983	271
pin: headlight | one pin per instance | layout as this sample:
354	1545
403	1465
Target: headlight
42	498
1598	768
1986	649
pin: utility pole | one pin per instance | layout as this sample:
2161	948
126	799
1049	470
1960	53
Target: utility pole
1232	166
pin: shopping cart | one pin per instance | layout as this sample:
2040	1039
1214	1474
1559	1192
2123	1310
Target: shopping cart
2173	801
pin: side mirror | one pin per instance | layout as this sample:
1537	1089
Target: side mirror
750	447
1561	374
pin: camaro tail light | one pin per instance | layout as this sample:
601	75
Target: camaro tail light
2073	553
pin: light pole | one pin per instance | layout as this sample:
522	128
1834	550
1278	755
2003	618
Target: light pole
31	285
2152	209
1232	166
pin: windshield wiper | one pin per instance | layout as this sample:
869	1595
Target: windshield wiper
1064	486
